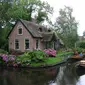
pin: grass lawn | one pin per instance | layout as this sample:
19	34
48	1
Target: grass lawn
52	60
48	61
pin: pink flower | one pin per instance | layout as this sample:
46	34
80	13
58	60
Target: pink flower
50	52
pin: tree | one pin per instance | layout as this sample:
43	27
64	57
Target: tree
28	9
4	6
67	27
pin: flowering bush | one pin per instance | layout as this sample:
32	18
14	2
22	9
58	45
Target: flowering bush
6	59
50	52
27	58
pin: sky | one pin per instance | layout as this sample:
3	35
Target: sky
78	7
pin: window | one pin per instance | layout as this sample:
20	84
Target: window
20	30
16	44
40	29
26	43
49	30
37	42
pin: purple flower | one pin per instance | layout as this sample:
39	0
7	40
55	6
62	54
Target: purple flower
4	57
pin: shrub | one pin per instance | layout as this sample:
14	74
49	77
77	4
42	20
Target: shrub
22	60
29	57
7	59
50	52
81	44
36	56
3	51
3	59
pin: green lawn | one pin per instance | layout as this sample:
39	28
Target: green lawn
52	60
48	61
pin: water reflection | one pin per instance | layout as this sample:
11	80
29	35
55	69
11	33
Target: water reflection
67	75
62	75
81	80
27	76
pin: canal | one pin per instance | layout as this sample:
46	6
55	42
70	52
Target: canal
60	75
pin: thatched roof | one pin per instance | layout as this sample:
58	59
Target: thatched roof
48	36
34	30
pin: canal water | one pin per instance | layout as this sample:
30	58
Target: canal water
60	75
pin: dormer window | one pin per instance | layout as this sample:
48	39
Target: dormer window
40	29
49	30
20	31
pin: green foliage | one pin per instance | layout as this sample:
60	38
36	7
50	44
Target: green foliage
81	44
31	57
36	56
67	27
23	60
60	54
79	49
41	16
3	51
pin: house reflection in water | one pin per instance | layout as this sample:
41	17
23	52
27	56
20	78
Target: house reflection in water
67	76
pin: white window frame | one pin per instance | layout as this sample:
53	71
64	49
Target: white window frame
19	27
14	44
25	45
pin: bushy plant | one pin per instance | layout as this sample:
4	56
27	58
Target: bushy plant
6	59
36	56
29	57
3	51
81	44
23	60
50	52
79	50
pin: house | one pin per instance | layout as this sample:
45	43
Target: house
26	35
81	38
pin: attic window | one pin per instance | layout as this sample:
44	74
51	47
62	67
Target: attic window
40	29
20	30
49	30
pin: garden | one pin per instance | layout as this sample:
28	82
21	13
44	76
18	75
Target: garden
33	58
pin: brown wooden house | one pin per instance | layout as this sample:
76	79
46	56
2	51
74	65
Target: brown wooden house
26	35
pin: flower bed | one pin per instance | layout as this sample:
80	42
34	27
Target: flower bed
31	59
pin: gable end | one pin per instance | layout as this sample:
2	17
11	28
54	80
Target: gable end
23	25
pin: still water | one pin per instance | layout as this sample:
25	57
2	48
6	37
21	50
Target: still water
59	75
